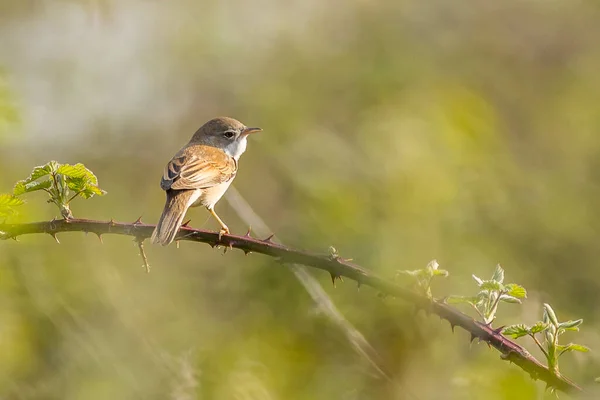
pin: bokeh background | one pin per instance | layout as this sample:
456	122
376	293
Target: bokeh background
396	131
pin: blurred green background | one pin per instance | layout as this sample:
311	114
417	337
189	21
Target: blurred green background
397	131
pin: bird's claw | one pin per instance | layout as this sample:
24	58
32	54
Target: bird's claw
224	231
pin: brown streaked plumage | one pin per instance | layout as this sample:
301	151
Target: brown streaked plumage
200	173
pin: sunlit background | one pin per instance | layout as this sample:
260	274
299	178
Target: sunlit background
398	132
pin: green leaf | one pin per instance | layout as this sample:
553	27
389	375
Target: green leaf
80	180
478	280
77	171
7	204
461	300
572	347
38	172
22	187
549	315
90	191
516	331
498	274
512	289
539	327
578	347
550	333
571	325
492	285
8	200
509	299
440	272
30	183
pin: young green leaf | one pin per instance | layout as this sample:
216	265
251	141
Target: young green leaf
516	331
578	347
40	171
440	272
539	327
491	285
62	182
7	204
512	289
571	325
22	187
77	171
498	274
509	299
550	333
550	315
572	347
478	280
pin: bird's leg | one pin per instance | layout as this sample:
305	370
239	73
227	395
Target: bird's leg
224	228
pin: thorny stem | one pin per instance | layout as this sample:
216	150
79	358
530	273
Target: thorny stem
337	267
146	265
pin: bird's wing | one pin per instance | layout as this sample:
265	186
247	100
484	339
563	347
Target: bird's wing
198	167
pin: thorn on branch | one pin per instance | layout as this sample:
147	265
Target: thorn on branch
473	337
248	232
498	330
269	239
140	243
186	223
334	277
138	221
55	238
100	237
227	247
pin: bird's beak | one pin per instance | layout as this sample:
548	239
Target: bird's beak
248	131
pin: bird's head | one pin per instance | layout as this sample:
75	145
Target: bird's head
225	133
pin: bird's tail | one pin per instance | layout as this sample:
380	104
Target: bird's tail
175	208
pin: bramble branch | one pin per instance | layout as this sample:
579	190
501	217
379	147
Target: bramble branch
334	264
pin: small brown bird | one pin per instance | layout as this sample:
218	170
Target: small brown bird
200	173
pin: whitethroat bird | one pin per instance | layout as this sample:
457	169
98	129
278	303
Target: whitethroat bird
200	173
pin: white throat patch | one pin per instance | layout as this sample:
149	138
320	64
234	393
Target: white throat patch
236	148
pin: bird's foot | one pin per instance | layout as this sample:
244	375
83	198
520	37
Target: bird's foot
224	231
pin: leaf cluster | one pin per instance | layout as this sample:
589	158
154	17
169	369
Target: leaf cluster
62	182
491	292
551	329
424	276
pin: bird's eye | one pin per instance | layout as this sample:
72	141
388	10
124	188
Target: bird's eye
228	134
